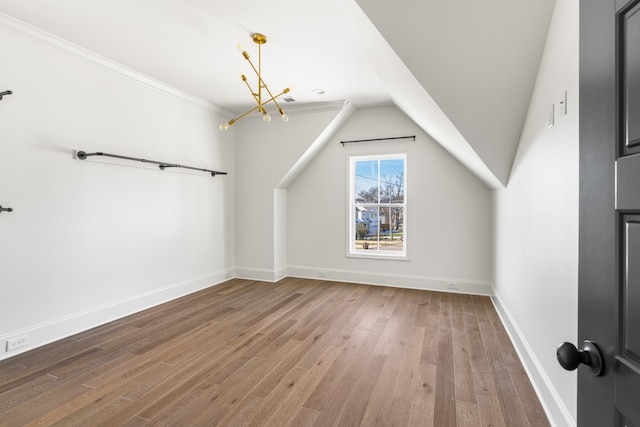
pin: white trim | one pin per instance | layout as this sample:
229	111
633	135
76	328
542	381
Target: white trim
280	273
56	329
317	107
555	409
346	111
351	205
312	108
427	283
43	38
363	254
261	274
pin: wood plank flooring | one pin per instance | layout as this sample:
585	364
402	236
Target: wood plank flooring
294	353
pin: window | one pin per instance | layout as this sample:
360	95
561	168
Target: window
378	205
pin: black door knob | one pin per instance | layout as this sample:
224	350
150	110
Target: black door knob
570	357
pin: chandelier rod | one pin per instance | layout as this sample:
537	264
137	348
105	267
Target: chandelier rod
259	39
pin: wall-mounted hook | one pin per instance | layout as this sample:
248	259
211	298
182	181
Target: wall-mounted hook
5	209
6	92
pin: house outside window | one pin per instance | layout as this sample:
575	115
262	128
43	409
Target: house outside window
378	206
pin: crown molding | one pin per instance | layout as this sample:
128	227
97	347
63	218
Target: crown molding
303	108
316	107
34	34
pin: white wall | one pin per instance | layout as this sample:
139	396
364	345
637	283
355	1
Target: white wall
93	240
265	153
536	224
449	212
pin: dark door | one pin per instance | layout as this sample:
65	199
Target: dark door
609	277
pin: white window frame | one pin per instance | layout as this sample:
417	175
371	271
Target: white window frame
351	203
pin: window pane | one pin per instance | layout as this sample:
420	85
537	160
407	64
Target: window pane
366	227
392	181
391	229
377	185
366	181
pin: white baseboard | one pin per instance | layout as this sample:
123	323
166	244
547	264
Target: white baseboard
393	280
366	278
555	409
56	329
261	274
281	273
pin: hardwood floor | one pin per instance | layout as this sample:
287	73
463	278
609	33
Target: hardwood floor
294	353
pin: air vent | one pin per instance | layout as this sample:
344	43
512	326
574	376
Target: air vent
289	99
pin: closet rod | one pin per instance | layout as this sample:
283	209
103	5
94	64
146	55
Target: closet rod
162	165
378	139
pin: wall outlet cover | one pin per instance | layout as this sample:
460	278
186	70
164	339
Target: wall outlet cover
18	342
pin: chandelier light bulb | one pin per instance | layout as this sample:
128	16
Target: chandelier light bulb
266	117
224	126
285	118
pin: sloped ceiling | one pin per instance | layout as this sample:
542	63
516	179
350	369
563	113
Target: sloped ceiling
463	70
477	60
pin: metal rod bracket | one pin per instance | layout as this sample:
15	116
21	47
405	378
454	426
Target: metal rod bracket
6	92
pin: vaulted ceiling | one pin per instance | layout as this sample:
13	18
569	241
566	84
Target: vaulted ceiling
463	70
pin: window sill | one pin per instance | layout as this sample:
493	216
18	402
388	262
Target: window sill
370	255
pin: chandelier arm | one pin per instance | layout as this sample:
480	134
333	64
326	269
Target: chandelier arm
257	107
260	83
267	88
244	114
255	97
274	99
277	96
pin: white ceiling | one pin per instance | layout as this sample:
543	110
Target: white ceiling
477	61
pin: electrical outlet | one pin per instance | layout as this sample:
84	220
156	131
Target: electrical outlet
322	274
15	343
452	285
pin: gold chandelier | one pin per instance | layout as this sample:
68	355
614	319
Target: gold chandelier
261	100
